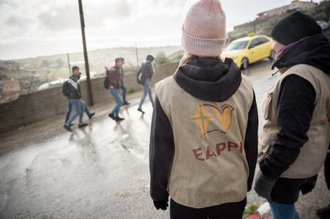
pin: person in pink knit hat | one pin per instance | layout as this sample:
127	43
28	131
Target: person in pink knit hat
203	143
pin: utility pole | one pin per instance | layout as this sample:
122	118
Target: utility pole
82	22
69	63
137	56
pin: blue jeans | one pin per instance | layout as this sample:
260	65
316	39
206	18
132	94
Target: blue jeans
123	88
282	211
116	96
69	109
146	90
79	111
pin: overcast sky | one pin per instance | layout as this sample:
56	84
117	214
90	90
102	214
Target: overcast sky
39	27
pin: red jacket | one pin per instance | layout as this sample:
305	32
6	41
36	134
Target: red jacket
115	75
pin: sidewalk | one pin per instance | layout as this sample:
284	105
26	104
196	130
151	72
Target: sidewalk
49	128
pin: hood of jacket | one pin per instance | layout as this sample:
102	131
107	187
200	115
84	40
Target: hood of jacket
209	79
314	51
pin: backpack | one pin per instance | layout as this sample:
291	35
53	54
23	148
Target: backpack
66	89
140	77
106	82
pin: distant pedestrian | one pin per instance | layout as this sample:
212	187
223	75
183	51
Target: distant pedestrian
203	144
295	137
114	75
86	110
146	76
122	86
74	98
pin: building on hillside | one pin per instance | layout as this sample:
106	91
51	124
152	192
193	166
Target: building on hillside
9	66
8	85
9	90
295	5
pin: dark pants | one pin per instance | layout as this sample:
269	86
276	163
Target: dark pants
224	211
327	170
123	88
286	191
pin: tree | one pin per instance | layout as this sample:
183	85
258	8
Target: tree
3	77
161	58
45	63
59	62
129	68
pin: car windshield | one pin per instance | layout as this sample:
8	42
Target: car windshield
237	45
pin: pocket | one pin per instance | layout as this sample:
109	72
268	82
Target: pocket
264	145
267	106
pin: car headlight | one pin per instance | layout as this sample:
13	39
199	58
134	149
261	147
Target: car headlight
234	57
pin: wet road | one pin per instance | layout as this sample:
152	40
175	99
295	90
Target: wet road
100	171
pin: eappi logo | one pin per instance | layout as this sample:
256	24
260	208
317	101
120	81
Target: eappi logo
202	118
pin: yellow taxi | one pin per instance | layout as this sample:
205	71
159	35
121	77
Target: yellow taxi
247	50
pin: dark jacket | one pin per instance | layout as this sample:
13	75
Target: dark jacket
296	95
115	77
75	92
327	168
147	71
206	79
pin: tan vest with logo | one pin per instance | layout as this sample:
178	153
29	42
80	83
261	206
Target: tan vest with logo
313	153
209	166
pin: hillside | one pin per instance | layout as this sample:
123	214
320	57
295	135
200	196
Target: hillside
34	72
97	58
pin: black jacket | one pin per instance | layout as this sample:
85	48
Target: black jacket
75	92
206	79
296	104
147	71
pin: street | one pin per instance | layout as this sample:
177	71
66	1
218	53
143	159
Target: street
100	171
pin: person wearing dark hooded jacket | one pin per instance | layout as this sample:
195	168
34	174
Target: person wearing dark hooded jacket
146	76
295	136
203	144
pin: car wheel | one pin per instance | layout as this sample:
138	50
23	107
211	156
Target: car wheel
245	63
272	55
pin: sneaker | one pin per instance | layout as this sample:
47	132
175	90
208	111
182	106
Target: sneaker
323	213
82	125
67	128
71	124
118	119
91	115
112	116
126	103
139	109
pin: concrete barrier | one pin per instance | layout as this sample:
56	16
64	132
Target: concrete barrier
45	104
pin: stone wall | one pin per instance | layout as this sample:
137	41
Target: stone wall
45	104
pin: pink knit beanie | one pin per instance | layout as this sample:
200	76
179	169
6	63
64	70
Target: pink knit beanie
204	30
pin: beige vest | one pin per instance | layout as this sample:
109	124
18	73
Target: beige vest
313	153
209	166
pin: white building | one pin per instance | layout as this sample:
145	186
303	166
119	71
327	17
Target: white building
295	5
300	5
